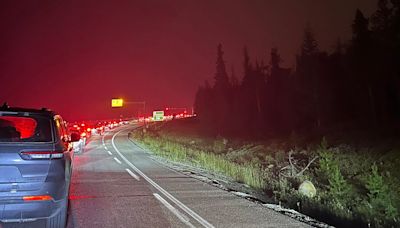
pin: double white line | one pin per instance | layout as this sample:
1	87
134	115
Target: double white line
181	217
118	161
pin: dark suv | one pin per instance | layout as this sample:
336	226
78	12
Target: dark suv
35	166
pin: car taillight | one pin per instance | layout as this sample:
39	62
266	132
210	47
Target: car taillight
37	198
31	155
83	134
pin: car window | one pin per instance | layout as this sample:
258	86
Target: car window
15	128
61	128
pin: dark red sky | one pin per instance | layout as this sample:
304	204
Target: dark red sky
74	56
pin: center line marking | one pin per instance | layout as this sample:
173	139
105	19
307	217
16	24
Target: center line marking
117	160
132	174
109	152
180	216
105	148
189	211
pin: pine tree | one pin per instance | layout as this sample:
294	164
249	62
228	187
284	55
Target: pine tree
221	92
204	107
361	34
252	95
310	44
308	81
362	60
278	90
381	20
221	77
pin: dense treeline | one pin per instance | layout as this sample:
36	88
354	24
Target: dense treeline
357	83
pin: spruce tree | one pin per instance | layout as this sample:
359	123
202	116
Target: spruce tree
221	94
308	81
221	77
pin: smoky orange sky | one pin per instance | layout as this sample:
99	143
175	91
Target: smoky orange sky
74	56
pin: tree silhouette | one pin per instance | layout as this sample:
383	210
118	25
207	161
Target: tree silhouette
358	82
221	92
203	107
308	81
252	96
221	77
361	66
278	95
381	19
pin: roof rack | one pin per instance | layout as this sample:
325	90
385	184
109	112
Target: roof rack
6	107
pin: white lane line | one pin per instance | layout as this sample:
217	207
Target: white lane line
197	217
180	216
105	147
117	160
132	174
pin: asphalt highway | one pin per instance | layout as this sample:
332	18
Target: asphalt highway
116	184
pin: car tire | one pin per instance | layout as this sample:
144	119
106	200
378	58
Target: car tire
60	219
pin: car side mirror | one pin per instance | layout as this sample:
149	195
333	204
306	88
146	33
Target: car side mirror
75	137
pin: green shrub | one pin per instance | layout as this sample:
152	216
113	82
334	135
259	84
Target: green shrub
338	189
379	198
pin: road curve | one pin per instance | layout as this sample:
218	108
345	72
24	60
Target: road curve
116	184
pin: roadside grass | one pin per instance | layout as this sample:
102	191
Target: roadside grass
248	173
356	187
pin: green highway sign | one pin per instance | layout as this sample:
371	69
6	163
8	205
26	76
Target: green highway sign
158	115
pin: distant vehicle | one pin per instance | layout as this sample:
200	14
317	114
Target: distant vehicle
35	166
78	146
84	131
100	128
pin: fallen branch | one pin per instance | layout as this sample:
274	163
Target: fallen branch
292	167
308	165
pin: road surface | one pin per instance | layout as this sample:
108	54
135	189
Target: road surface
116	184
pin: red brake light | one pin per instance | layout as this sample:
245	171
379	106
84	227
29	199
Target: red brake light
88	129
37	198
31	155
